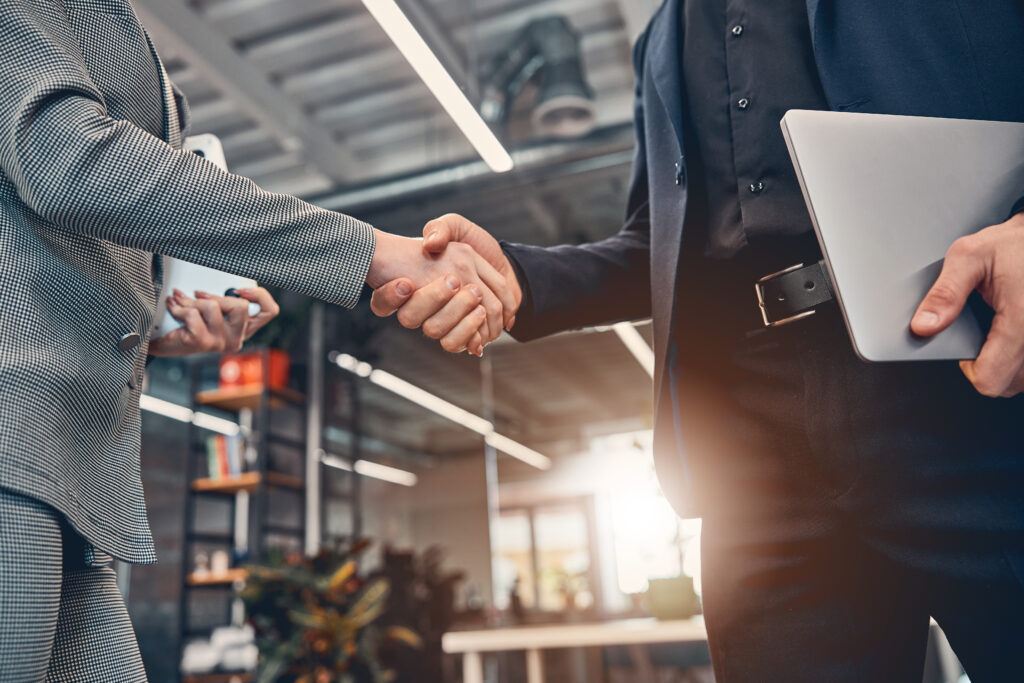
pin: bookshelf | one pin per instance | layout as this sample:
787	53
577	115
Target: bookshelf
247	481
227	578
241	489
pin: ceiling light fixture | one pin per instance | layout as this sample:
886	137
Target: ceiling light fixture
439	406
374	470
437	79
181	413
637	345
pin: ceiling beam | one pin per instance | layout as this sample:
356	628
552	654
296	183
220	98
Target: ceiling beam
175	25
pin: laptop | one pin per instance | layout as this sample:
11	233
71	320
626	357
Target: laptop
888	195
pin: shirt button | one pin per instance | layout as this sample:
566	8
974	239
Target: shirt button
743	103
737	30
757	188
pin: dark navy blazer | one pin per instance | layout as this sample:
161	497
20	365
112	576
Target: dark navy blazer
948	58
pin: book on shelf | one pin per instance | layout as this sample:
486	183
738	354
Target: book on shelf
224	456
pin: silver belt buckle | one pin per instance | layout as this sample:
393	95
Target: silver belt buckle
759	291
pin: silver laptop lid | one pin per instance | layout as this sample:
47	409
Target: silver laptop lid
888	195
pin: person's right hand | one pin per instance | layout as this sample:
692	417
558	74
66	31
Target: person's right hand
437	311
408	266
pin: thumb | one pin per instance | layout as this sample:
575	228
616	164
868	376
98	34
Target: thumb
962	272
391	296
440	231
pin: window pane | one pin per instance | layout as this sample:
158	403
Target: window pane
515	559
563	556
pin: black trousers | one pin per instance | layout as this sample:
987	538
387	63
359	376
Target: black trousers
845	503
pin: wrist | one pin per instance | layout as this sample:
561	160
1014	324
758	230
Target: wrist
385	252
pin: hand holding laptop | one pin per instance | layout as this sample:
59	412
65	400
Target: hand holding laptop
991	262
210	323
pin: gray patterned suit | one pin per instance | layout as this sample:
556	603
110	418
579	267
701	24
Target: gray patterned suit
91	188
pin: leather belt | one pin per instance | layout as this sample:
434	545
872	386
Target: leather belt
792	294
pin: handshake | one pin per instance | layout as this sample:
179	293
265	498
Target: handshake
455	284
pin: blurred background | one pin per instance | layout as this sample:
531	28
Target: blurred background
377	509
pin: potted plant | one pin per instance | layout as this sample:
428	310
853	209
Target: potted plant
316	618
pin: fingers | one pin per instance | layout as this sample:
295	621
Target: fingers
427	301
497	283
213	319
269	309
462	304
392	296
466	333
236	318
962	271
440	231
998	368
476	345
493	325
196	335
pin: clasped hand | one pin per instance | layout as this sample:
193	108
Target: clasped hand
990	262
455	284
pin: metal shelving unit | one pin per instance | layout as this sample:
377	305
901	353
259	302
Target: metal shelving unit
253	532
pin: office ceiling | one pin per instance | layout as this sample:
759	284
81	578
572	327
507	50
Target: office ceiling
311	98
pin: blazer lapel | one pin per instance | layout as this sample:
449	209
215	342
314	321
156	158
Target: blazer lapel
666	71
172	130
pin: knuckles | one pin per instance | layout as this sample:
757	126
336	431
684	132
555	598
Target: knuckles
944	294
964	247
450	345
433	329
406	320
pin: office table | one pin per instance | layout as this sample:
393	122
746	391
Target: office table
535	639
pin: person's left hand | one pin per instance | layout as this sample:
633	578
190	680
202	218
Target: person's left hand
213	323
991	261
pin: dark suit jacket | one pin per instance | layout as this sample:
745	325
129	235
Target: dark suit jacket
948	58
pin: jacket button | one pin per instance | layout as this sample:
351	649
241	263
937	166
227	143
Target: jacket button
128	342
680	171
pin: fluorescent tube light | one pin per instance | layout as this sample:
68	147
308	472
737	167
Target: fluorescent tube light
215	424
439	406
385	473
152	404
437	79
335	462
374	470
637	345
518	451
159	406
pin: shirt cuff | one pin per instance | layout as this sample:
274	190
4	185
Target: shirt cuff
525	312
1017	208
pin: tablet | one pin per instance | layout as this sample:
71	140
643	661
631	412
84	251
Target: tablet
189	277
888	195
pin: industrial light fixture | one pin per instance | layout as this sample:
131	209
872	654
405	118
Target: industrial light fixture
637	345
374	470
212	423
437	79
439	406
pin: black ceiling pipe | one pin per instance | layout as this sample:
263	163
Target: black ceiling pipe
549	49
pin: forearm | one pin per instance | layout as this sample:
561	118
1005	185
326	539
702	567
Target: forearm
569	287
85	172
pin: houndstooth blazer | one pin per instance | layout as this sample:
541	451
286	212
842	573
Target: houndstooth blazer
92	189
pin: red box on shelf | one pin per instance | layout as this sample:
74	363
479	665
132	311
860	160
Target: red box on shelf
247	369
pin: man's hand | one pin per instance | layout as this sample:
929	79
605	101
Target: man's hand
991	261
406	264
213	323
444	314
